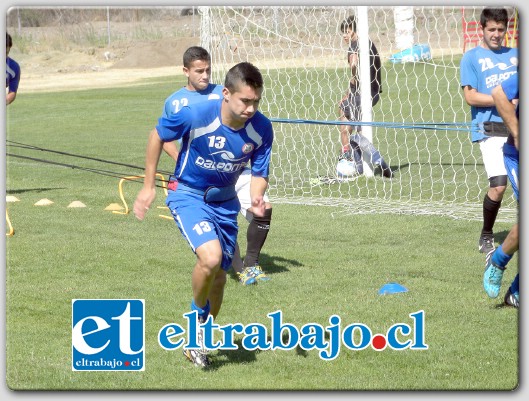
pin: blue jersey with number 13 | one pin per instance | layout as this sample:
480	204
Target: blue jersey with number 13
213	154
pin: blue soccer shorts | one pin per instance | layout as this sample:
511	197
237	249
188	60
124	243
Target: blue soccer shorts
511	159
200	222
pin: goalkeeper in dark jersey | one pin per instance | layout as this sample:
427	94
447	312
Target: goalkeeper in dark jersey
355	146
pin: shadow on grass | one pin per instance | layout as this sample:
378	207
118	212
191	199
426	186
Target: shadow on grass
23	191
400	167
499	237
238	356
504	305
242	355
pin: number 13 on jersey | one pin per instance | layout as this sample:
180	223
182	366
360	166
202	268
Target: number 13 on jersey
202	227
216	142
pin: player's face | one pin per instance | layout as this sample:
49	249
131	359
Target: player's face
7	51
243	102
493	35
198	75
349	35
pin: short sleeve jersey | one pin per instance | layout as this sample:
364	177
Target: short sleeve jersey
375	65
511	89
483	69
213	154
12	74
184	97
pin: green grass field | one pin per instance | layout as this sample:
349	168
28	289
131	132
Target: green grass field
320	265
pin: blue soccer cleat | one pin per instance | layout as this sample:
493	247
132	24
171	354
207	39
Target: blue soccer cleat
492	280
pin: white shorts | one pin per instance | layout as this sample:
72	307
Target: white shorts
492	153
243	193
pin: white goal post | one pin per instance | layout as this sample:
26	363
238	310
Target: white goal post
420	124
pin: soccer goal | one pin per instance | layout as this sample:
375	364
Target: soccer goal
420	125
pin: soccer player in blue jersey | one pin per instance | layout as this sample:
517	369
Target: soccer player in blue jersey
219	138
197	68
505	95
483	68
12	73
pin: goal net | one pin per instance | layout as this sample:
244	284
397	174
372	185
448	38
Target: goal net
420	125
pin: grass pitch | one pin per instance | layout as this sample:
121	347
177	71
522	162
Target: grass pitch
320	264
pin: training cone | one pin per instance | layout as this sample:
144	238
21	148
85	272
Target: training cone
392	288
114	206
11	198
43	202
77	204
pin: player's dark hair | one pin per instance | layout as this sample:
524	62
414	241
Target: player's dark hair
9	41
494	14
350	22
195	53
245	73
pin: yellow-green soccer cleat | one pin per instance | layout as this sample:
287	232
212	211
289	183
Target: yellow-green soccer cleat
259	273
247	277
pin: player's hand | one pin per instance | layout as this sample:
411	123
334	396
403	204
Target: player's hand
258	206
143	202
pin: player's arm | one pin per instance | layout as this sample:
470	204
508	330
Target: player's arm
353	64
507	111
477	99
148	192
13	89
260	169
10	97
171	149
258	187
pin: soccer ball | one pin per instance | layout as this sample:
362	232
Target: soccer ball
346	168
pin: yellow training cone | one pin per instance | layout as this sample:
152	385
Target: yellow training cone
43	202
114	206
77	204
11	198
